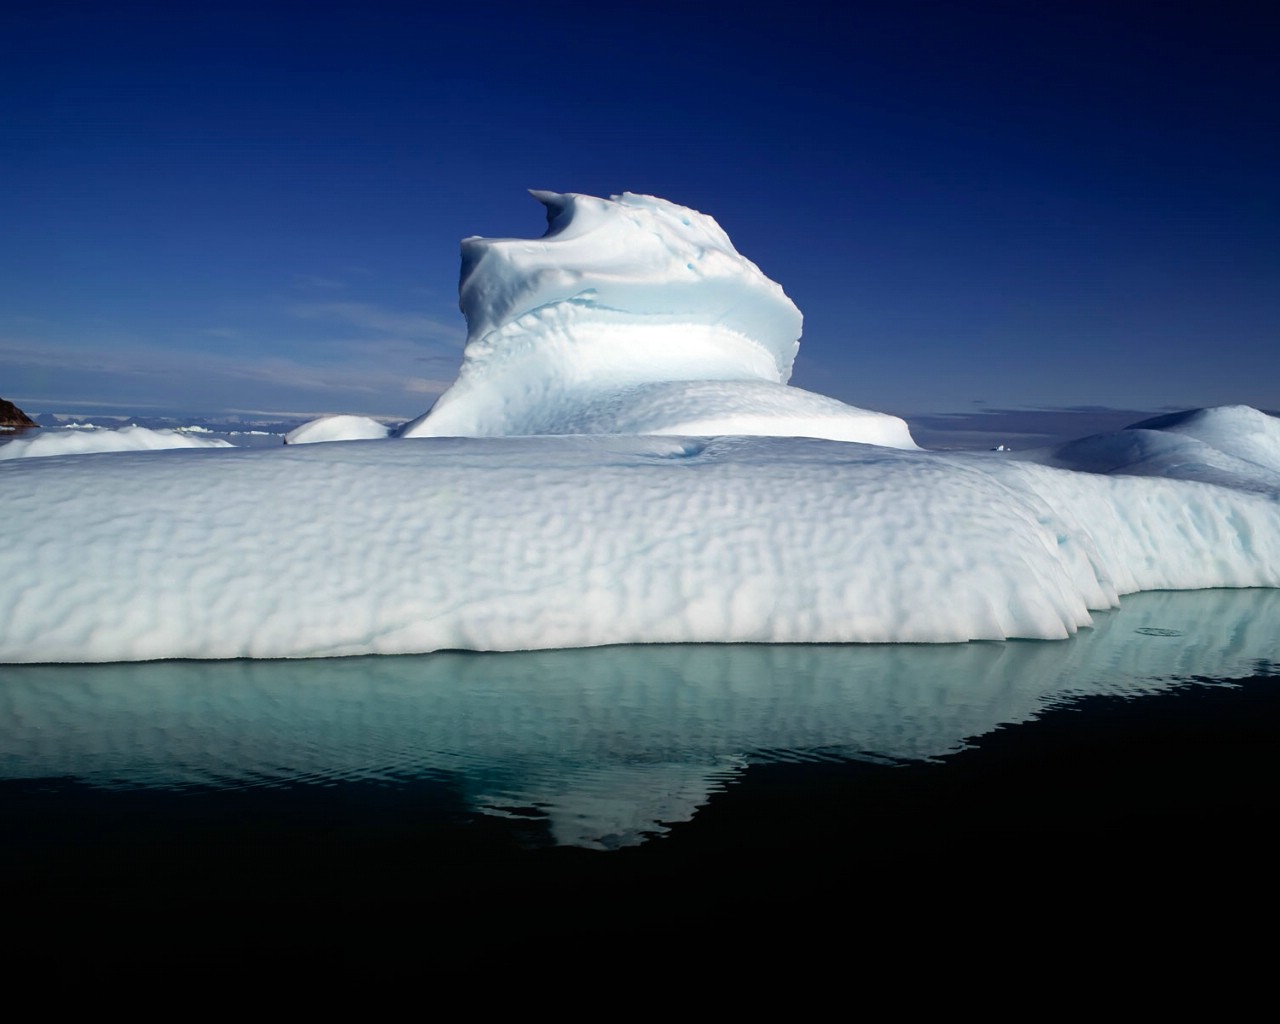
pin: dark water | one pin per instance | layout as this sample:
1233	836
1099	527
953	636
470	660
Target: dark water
697	806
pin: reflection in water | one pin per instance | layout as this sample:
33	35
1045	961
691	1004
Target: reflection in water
605	744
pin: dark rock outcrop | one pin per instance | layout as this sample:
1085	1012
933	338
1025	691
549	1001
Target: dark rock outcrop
12	416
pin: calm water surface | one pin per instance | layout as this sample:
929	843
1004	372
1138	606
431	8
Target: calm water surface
589	777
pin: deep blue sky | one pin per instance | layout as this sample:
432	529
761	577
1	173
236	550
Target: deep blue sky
976	205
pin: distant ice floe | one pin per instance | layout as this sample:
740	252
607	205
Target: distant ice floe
82	439
686	503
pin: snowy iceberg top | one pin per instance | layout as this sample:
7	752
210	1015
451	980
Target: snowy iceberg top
633	254
571	332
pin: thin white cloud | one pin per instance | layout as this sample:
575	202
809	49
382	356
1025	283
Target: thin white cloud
380	320
425	386
92	403
23	321
301	414
54	356
315	281
383	376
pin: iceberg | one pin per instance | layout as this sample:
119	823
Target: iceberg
632	315
621	461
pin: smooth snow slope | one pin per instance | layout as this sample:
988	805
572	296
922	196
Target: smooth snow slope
400	546
631	315
1235	446
337	428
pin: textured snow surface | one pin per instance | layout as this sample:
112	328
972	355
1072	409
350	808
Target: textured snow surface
82	440
631	315
400	546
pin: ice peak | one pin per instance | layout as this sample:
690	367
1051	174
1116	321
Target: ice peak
555	202
617	319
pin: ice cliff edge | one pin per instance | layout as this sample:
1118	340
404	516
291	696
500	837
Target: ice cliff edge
631	315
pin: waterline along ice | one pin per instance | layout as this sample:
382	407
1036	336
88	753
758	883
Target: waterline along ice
620	461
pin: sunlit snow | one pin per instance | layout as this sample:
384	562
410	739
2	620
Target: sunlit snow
680	491
337	428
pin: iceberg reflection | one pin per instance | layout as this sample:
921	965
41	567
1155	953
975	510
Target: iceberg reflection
607	745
